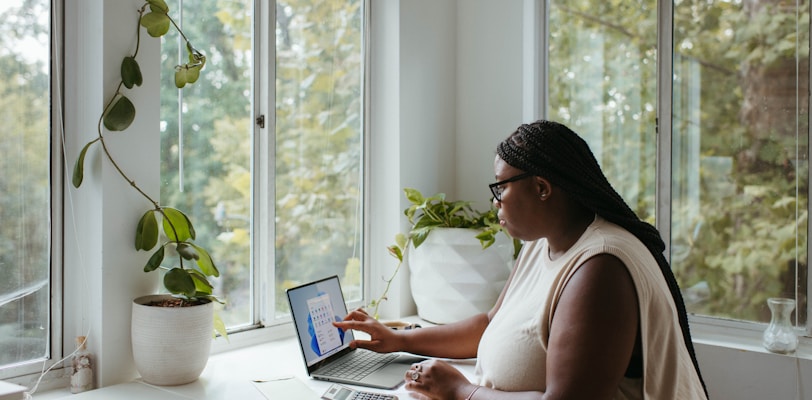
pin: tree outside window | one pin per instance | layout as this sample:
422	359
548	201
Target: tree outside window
739	203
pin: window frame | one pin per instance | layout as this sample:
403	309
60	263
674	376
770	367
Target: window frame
733	333
263	176
714	328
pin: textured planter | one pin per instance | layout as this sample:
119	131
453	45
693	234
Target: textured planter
171	345
452	278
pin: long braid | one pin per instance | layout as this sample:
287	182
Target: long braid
552	150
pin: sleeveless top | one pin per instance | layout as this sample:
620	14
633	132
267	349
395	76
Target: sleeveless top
512	353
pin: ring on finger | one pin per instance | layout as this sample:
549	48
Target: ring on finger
415	375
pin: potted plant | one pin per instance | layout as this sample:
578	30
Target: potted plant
447	283
162	355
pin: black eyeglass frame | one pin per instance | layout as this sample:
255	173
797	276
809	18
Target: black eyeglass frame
497	192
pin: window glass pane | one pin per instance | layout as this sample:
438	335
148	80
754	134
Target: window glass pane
207	145
602	84
319	142
24	180
206	142
740	143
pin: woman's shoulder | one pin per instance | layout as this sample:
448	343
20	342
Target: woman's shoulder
604	237
608	233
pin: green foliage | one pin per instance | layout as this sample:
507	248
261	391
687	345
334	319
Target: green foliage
206	146
738	232
146	234
318	161
428	213
120	115
25	234
316	137
131	73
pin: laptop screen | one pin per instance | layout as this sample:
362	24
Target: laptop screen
314	306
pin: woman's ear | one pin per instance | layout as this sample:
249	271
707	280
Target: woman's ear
544	188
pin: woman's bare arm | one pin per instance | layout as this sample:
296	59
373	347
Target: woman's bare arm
455	340
593	332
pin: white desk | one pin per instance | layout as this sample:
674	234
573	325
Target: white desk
229	376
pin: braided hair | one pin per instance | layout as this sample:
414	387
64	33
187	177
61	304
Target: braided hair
552	150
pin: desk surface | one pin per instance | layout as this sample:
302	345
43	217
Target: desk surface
231	375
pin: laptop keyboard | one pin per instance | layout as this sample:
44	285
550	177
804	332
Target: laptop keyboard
357	364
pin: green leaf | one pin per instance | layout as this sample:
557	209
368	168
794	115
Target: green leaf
517	247
205	263
158	5
183	229
187	251
155	261
179	281
156	22
413	195
220	326
486	238
401	240
146	234
419	236
186	74
131	72
180	77
79	166
202	285
396	252
193	74
120	115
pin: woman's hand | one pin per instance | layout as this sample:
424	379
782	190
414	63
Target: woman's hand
382	339
436	380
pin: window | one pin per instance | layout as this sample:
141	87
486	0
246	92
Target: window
224	157
740	179
737	78
602	61
25	182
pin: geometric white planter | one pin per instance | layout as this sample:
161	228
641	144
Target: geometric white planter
171	345
452	278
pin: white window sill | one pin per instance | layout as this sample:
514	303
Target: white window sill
229	375
256	355
741	336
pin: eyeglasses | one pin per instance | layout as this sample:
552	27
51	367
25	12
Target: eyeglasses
497	188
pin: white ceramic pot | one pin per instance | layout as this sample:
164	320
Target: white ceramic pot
452	278
171	345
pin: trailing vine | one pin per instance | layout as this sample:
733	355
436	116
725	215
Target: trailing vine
189	282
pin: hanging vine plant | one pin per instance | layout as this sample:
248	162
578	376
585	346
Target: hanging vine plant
189	279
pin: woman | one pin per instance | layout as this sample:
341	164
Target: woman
591	310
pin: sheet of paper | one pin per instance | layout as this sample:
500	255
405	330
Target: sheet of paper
286	389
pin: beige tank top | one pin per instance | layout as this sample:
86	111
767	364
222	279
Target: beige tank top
512	353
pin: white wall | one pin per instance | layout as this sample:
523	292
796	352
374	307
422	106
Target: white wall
736	366
412	133
383	220
489	90
446	88
102	271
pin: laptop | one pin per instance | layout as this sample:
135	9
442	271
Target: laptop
326	349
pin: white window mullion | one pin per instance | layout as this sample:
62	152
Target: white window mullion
264	173
665	52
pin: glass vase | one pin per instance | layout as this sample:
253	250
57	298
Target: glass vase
780	337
